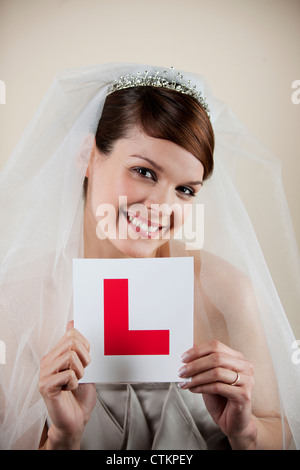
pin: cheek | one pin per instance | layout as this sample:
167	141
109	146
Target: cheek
104	191
131	191
98	197
187	210
112	194
180	214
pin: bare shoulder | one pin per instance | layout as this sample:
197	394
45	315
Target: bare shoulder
229	295
220	285
213	272
222	277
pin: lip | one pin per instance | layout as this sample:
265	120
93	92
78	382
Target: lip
145	227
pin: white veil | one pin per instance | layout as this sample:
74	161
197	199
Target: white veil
41	217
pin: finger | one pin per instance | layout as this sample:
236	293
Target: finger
208	348
240	392
239	395
72	332
217	365
68	360
69	343
217	374
53	385
218	388
79	343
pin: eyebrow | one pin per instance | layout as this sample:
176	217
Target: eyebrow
159	168
154	164
193	183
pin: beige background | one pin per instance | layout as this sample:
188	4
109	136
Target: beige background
247	49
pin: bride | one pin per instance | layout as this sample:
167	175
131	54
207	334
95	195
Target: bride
147	137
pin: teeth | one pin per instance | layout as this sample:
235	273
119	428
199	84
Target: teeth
146	228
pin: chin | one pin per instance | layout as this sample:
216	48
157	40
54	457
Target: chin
138	248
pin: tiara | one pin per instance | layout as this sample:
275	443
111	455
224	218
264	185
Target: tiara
160	81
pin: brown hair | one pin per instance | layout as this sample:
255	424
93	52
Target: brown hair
160	113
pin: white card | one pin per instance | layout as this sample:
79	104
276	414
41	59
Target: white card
137	315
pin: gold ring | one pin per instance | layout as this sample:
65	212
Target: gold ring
237	379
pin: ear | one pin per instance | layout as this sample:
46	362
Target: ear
86	152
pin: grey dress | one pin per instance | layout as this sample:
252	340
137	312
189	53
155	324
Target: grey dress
150	416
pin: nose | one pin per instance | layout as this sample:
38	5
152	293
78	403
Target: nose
161	200
163	206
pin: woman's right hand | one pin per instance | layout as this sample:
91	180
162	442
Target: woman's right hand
69	403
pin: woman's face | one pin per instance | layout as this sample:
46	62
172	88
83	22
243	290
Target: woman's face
138	195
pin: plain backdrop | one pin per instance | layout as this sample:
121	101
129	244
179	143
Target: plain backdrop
247	49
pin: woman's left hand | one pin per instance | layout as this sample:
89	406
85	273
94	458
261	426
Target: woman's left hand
226	380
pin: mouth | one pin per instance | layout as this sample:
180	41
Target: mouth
146	228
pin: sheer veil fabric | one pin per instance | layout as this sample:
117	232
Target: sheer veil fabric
42	231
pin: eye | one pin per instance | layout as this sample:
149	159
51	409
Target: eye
186	191
145	172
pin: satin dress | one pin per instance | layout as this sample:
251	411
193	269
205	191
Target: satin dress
150	416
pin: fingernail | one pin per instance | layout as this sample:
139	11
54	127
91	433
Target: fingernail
182	371
184	357
181	384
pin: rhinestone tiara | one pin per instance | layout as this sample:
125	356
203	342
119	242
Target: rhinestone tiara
161	81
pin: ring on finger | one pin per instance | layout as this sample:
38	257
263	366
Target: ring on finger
237	379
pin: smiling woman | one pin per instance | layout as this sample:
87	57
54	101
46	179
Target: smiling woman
172	135
155	200
141	143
